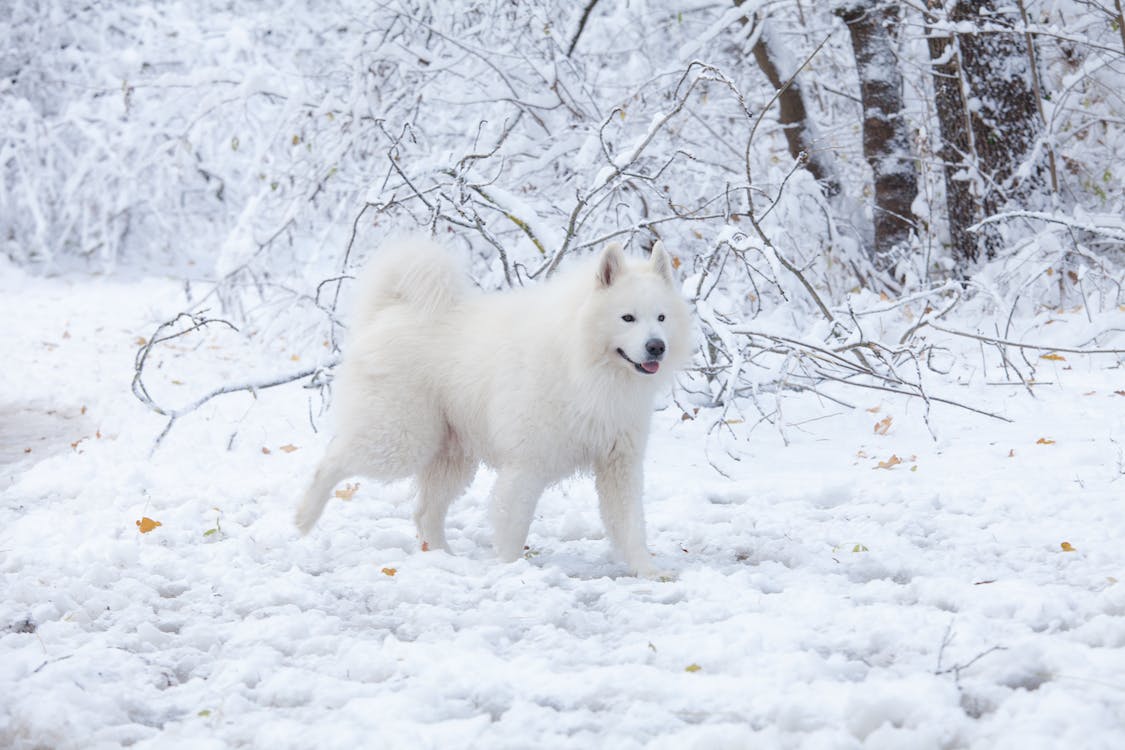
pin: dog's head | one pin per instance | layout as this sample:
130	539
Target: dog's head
639	313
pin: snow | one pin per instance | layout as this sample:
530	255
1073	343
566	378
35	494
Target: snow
813	591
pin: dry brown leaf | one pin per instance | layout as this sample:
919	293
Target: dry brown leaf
265	450
692	668
1053	357
1089	393
348	492
141	341
288	448
1067	547
425	546
874	410
1011	453
1120	393
1044	441
676	262
890	462
295	358
389	571
146	524
861	453
883	425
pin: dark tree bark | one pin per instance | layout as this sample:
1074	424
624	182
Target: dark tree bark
953	127
983	145
792	113
1005	117
873	26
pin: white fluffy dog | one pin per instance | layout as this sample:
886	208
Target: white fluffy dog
538	383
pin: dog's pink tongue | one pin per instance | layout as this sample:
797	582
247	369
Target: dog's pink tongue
652	366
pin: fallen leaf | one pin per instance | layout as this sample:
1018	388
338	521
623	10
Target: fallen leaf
892	461
1074	280
141	341
66	334
676	262
1044	441
1120	393
1050	272
733	421
914	467
860	548
389	571
692	668
1067	547
883	425
1053	357
874	410
1089	393
27	450
295	358
425	546
82	410
146	524
289	448
177	382
348	492
265	450
861	453
76	443
1011	453
685	417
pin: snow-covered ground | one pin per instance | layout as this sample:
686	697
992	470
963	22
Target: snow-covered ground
818	600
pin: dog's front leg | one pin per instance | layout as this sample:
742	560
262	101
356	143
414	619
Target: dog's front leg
514	498
619	479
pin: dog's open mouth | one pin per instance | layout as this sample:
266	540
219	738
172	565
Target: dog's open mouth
648	368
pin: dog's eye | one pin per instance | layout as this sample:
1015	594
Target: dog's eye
628	318
660	317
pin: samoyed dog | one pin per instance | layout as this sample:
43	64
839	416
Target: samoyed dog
539	383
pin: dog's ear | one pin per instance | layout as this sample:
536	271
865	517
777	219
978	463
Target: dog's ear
610	265
662	262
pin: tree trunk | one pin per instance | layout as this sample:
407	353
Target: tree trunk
792	114
1005	115
987	116
953	126
873	26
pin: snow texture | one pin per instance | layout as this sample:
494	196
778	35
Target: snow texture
818	601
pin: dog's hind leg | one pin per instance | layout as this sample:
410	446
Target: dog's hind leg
513	504
332	471
439	484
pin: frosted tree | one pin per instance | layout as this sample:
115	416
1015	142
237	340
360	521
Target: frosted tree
873	26
987	110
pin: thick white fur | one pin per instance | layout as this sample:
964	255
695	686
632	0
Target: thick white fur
439	377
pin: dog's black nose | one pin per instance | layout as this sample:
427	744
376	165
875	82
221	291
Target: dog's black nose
655	348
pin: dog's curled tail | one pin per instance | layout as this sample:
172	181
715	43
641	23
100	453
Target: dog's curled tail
412	271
